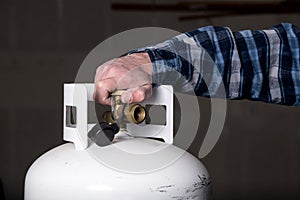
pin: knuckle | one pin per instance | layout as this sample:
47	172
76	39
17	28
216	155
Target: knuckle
99	85
114	70
99	69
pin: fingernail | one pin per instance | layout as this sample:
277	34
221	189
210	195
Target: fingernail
126	97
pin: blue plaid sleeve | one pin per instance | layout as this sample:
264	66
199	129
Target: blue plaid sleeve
262	65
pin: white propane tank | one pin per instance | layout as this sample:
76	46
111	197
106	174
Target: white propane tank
130	168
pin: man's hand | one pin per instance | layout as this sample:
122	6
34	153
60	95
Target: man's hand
132	72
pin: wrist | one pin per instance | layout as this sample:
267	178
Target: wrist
143	60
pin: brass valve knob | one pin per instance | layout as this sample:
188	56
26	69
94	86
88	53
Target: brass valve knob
137	113
123	113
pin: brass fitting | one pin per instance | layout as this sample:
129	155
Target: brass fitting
123	113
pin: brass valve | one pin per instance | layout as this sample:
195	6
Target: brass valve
123	113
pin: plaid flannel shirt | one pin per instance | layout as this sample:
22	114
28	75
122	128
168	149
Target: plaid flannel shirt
261	65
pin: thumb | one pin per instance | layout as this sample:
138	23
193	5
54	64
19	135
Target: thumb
138	94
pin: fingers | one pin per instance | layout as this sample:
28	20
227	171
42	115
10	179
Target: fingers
132	73
137	94
103	89
136	82
101	70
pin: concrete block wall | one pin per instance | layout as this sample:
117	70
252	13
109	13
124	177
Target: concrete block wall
42	44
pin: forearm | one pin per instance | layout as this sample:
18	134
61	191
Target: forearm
255	65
